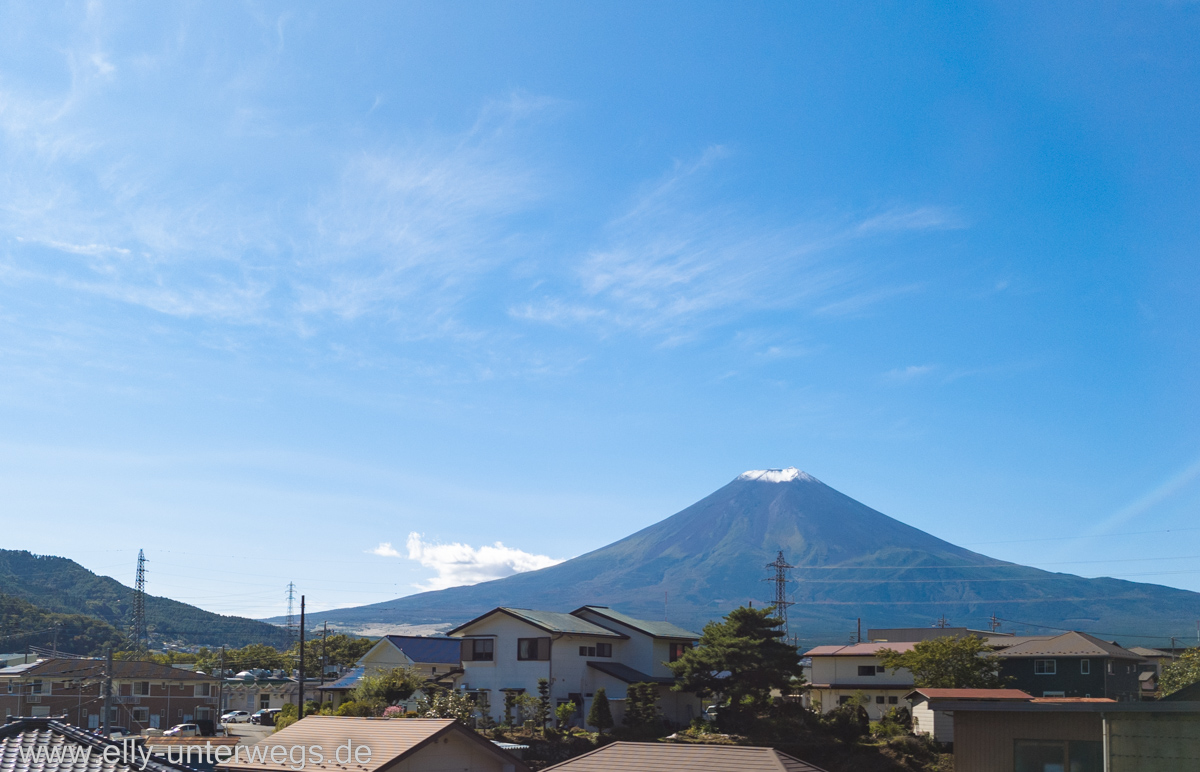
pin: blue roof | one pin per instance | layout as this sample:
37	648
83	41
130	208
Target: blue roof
421	649
348	681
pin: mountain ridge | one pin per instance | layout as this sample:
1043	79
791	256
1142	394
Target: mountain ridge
60	585
850	560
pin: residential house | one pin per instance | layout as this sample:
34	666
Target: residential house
928	718
49	745
665	757
254	690
507	650
839	673
1150	670
339	743
437	659
1080	735
146	695
1073	664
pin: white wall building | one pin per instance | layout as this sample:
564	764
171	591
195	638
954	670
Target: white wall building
508	650
838	672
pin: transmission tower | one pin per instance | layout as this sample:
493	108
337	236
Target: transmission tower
139	603
780	578
291	615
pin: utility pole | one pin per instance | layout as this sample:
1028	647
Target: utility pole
139	604
943	622
324	659
858	638
291	615
780	579
108	669
221	684
994	623
300	712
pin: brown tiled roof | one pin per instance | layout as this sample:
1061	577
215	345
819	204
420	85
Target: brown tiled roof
971	694
860	649
390	740
122	668
664	757
1072	644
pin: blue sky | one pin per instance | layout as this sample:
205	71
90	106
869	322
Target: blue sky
282	283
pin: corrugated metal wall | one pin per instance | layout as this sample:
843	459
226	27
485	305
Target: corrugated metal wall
983	741
1154	742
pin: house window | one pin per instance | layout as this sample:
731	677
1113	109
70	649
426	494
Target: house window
677	650
605	650
1085	667
201	690
893	700
879	699
533	649
587	651
141	715
1110	667
1045	666
141	688
843	699
36	688
264	701
482	649
866	670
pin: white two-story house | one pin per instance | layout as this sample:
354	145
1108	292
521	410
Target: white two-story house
508	649
838	672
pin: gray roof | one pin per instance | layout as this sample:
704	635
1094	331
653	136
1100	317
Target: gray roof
649	627
21	740
668	757
1072	644
1143	651
550	621
627	674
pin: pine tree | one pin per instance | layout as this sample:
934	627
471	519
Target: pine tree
542	711
600	716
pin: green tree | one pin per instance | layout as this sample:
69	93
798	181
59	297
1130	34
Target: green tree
747	647
948	662
541	711
600	716
1184	671
641	707
564	713
340	651
384	689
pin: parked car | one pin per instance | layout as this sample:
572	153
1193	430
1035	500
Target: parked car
266	716
117	732
236	717
183	730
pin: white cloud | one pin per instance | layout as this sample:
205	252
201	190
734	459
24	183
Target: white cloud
386	550
458	564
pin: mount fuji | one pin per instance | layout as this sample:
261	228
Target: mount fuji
850	561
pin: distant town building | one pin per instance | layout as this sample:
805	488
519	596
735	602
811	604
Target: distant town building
146	695
437	659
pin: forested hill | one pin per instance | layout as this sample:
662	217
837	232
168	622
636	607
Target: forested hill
62	585
23	624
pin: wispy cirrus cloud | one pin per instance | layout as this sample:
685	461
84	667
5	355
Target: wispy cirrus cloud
672	264
459	564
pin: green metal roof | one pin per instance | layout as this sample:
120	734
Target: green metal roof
550	621
657	629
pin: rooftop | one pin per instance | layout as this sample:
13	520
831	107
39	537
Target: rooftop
390	740
428	649
665	757
627	674
64	748
1072	644
860	649
657	629
122	668
550	621
971	694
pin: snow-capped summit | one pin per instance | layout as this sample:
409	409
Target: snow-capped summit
777	475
